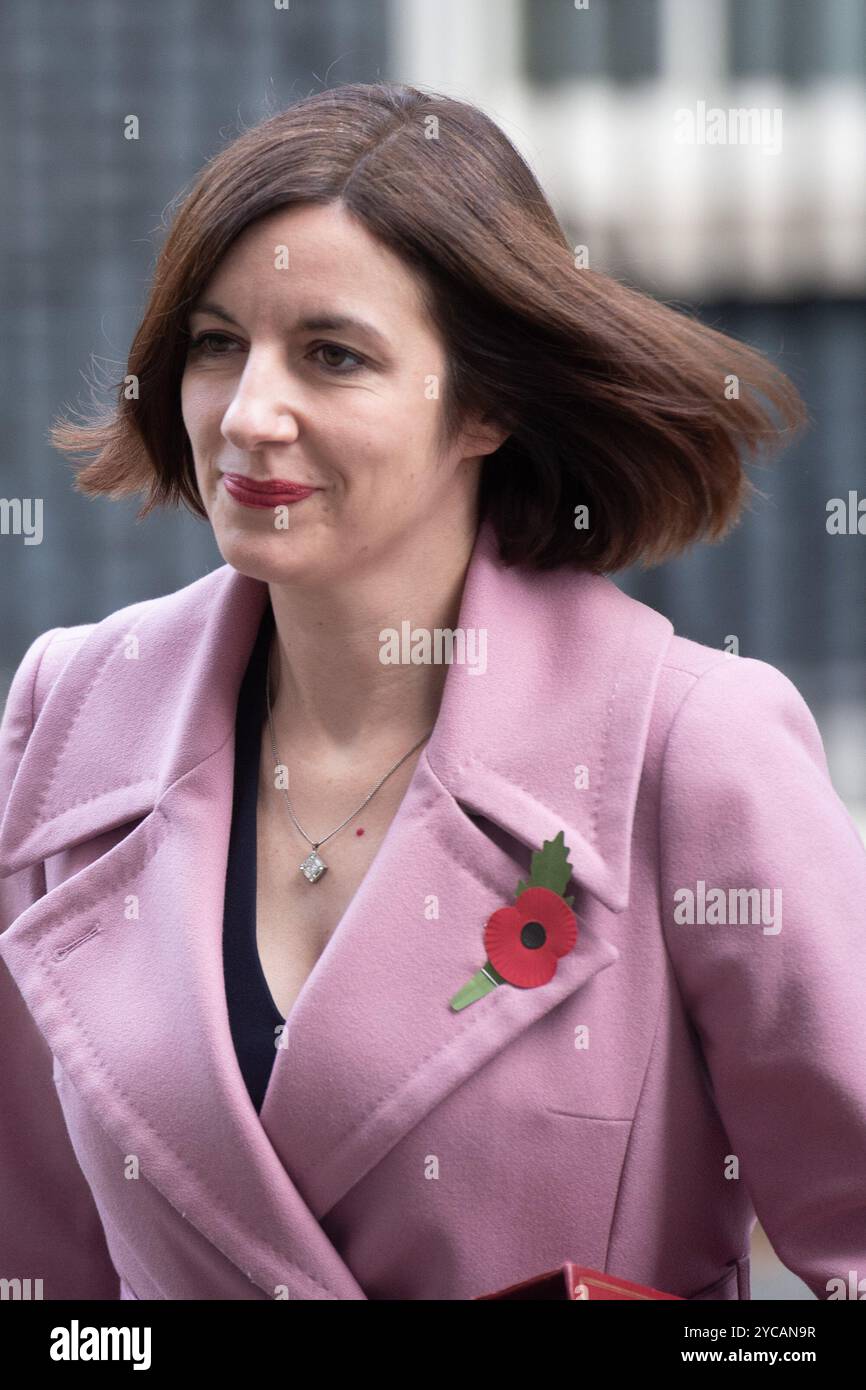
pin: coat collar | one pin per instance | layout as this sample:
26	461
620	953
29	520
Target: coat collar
572	665
121	963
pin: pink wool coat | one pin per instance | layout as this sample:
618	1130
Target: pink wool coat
673	1078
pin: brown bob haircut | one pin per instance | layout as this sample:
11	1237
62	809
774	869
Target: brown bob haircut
613	400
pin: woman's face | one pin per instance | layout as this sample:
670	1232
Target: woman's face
278	388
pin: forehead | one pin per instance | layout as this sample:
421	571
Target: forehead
299	257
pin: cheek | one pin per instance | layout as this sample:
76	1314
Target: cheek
201	405
189	406
401	435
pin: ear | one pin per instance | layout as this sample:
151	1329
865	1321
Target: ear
483	435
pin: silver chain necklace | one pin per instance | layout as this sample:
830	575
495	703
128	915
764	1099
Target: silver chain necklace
313	866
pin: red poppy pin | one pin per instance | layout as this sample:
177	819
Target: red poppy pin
524	942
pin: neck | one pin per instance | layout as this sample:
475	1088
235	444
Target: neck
330	694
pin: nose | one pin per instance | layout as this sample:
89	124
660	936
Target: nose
263	409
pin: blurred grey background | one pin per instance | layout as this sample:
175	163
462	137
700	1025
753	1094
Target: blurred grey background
763	239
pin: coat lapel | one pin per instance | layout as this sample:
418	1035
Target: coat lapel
133	1006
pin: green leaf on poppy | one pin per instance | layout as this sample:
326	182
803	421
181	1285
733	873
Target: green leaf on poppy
550	867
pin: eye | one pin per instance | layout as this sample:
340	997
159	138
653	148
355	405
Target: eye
198	344
345	352
204	340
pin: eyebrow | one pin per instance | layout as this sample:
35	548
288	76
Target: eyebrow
311	323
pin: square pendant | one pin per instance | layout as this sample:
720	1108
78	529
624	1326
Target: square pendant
313	867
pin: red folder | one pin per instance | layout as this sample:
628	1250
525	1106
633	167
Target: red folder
575	1282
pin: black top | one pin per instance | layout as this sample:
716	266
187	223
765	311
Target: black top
253	1015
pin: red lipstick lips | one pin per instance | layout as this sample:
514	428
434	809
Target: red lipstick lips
272	492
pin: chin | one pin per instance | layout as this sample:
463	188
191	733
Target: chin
274	558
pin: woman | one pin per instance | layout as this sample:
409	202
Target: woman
269	842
